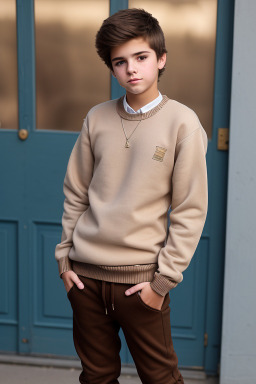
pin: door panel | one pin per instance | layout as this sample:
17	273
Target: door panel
188	310
8	66
190	36
70	76
8	285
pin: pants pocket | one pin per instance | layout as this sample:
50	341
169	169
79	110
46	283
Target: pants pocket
74	287
71	290
144	304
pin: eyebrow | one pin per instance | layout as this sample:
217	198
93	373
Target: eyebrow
134	54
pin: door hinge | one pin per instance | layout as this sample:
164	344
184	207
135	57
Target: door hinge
223	139
205	339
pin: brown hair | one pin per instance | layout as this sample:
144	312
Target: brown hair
125	25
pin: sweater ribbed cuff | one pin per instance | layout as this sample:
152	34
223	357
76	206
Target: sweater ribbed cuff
64	265
161	284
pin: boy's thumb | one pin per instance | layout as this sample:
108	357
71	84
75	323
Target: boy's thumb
80	284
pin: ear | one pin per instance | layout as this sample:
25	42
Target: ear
162	61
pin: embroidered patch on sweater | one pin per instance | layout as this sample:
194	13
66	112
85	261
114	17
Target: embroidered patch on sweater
159	153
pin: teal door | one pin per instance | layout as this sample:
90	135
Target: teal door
35	315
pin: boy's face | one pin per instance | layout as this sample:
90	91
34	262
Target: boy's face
135	66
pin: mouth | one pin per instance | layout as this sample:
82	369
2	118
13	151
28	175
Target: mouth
134	81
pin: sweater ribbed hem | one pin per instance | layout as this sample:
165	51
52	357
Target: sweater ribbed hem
126	274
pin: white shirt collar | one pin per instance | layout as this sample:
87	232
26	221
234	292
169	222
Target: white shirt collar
145	108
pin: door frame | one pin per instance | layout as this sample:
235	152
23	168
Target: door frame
218	178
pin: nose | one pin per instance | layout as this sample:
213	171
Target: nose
131	67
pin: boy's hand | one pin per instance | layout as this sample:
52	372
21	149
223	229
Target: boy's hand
70	277
150	297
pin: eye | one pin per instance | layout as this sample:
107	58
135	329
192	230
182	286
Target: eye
119	63
142	58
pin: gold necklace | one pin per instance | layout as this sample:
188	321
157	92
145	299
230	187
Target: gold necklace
127	143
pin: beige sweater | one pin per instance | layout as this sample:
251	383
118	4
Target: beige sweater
115	219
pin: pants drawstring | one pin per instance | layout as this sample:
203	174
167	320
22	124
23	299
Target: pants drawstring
104	295
112	296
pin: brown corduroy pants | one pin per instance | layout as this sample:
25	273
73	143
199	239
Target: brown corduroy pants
99	310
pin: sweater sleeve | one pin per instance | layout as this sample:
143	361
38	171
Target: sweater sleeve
188	211
76	183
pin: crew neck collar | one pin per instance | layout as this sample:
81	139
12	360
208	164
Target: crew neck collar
146	107
139	116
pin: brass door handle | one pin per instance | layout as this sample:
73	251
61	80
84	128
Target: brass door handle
23	134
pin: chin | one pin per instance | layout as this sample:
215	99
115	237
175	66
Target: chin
135	91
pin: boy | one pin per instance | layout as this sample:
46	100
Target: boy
134	157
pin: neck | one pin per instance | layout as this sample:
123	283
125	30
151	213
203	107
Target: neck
138	101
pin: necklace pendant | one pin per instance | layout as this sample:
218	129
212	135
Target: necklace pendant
127	145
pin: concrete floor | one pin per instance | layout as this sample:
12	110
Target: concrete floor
27	369
29	374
